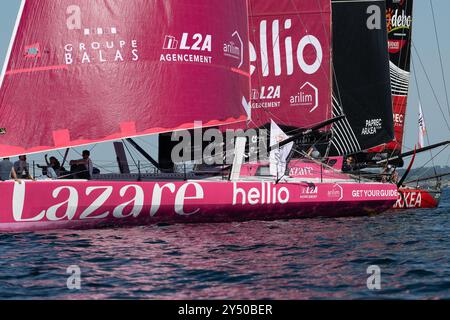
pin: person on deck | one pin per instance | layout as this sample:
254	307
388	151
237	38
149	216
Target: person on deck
7	170
22	168
390	175
53	168
82	168
349	164
394	177
313	153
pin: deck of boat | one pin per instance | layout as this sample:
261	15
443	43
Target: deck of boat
148	177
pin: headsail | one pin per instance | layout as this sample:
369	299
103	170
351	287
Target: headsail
362	89
83	71
290	62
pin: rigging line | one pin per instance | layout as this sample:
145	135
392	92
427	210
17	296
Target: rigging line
431	86
440	56
432	159
131	155
420	102
143	141
95	145
338	90
346	125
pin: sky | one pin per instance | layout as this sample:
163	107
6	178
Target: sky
424	40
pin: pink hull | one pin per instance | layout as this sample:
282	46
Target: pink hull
46	205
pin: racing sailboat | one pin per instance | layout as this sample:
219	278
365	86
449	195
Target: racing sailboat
80	72
388	156
399	17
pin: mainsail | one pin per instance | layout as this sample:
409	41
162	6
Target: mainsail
290	55
86	71
362	89
399	26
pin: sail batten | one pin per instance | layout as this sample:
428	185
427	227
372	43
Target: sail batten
83	72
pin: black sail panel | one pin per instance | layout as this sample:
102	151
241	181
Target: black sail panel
362	87
399	17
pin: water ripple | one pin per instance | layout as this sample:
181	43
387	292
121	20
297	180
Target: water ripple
296	259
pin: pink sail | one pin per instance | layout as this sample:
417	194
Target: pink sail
290	61
86	71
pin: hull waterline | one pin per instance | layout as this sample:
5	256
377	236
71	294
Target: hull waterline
50	205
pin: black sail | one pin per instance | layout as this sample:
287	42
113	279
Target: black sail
362	87
399	17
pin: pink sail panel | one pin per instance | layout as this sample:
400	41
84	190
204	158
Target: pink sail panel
290	54
85	71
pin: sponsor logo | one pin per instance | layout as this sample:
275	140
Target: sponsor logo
102	202
397	20
337	193
308	96
32	51
2	131
107	47
266	97
374	193
310	192
194	48
399	119
101	52
99	31
235	49
273	55
301	171
396	46
267	193
372	127
409	200
170	43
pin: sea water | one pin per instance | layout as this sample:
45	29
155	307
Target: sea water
295	259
